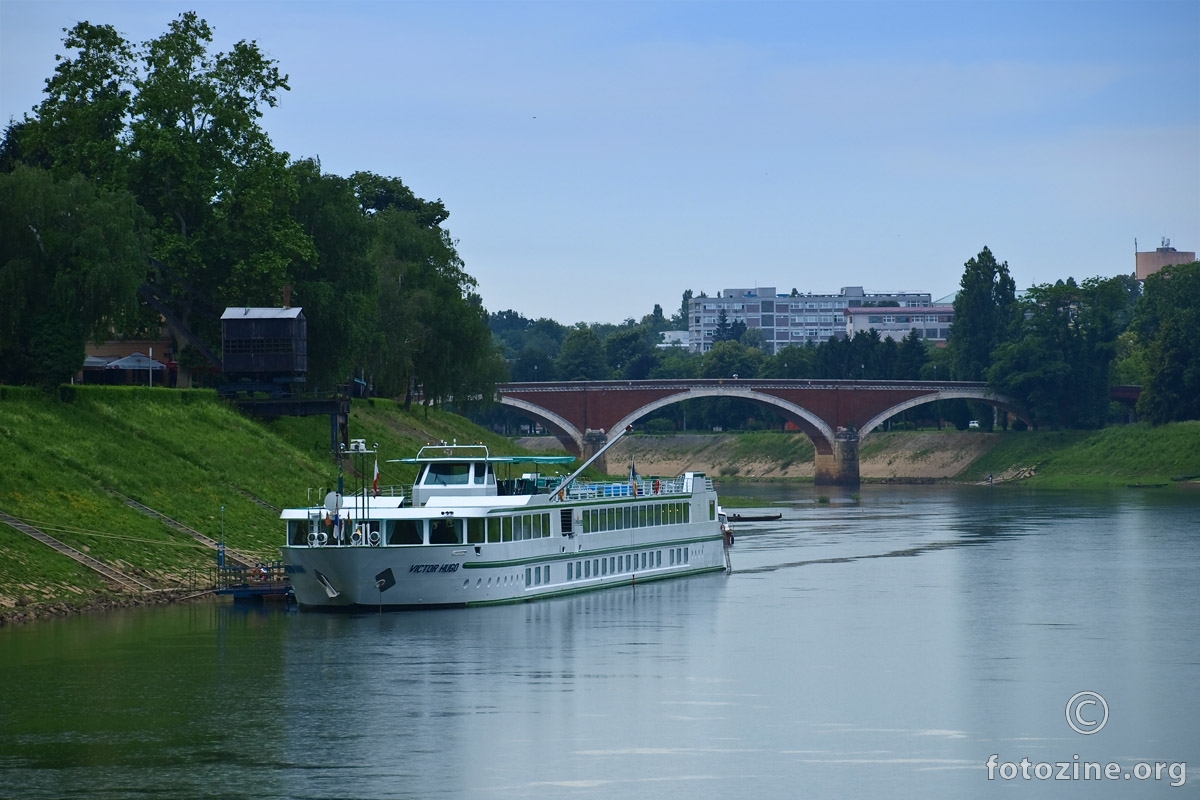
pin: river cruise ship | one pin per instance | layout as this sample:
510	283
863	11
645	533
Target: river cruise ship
466	536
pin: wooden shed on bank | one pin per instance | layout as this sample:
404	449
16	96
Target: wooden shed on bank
264	346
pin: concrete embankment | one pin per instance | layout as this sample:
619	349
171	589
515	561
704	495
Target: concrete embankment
909	455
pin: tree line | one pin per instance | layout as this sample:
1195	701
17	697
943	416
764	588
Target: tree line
1056	349
143	187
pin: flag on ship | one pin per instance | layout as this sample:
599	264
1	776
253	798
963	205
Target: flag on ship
633	476
375	483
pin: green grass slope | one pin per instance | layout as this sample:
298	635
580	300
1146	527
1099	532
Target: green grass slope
185	454
1116	456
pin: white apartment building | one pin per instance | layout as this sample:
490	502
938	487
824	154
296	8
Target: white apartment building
787	319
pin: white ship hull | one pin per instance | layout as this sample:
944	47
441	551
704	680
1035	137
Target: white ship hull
470	575
465	537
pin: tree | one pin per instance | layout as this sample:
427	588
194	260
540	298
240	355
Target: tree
722	331
71	258
727	359
754	337
533	364
1166	322
912	358
793	361
1060	353
81	123
685	311
581	357
737	329
181	132
982	313
339	289
627	348
432	327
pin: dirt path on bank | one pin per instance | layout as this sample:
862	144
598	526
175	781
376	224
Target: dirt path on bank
906	455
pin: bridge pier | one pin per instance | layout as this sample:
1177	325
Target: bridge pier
593	440
840	466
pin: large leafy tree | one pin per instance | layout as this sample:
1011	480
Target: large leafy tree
71	257
1060	352
178	127
207	172
1166	324
982	314
432	329
82	122
339	288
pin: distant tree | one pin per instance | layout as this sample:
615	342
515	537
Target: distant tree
675	362
625	347
721	333
754	337
793	361
533	364
581	357
1166	324
912	358
887	360
737	329
982	314
685	311
727	359
71	258
1059	355
655	322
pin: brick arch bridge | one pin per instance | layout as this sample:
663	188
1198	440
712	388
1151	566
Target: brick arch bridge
835	415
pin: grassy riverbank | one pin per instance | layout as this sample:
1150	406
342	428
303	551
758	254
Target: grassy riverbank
1119	456
69	465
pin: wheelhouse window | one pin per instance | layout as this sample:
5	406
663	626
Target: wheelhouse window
447	474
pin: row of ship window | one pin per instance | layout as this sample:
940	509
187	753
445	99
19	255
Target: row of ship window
516	528
597	520
587	568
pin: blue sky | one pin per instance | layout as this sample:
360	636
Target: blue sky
600	157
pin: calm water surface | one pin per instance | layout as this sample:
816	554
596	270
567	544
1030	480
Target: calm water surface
879	649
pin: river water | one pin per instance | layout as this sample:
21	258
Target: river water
884	648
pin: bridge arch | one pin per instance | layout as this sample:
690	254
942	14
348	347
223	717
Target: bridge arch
571	437
980	395
818	430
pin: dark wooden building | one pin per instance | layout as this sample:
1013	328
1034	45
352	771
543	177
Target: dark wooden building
264	347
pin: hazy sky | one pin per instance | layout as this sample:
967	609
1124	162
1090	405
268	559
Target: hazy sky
600	157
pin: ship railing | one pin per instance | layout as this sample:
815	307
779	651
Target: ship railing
643	487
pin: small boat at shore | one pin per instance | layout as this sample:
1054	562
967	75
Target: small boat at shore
464	536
